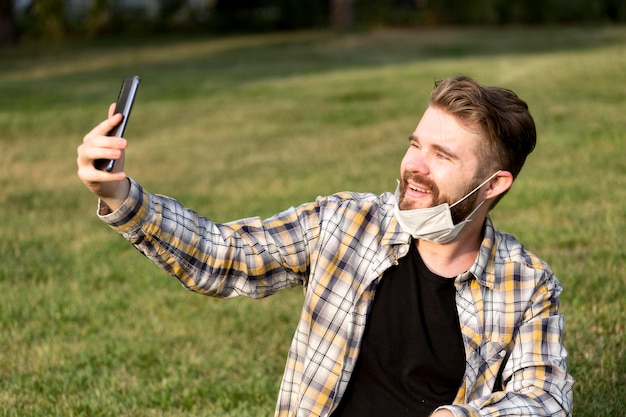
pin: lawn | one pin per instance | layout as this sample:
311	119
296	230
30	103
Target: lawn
249	125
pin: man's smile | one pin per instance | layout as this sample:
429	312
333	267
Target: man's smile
418	189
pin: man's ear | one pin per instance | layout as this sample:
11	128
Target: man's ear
499	184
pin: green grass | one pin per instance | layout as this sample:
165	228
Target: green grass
249	126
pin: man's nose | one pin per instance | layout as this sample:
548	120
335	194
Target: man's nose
417	162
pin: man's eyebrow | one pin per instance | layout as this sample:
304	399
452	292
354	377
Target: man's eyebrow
446	151
439	148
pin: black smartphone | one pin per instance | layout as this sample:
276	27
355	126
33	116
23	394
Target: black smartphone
124	104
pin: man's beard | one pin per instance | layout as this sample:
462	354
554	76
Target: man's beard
459	212
462	210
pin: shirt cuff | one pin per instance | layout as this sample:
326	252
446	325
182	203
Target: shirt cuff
451	409
131	214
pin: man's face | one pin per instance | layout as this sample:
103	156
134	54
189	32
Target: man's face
441	164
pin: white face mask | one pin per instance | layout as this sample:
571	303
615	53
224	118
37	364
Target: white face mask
434	224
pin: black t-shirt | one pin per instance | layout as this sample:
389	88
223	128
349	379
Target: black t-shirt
412	358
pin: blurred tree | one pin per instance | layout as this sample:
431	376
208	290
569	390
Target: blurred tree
230	16
45	19
98	18
57	19
342	14
8	28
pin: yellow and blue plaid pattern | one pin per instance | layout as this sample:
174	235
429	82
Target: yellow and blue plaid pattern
337	248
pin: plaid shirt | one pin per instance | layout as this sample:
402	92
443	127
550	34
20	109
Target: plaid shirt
337	248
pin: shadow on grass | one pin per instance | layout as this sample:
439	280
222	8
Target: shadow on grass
235	60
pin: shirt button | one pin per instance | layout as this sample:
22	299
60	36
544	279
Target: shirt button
402	250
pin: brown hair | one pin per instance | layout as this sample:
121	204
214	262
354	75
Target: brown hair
502	116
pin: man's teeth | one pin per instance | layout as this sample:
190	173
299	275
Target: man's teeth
420	190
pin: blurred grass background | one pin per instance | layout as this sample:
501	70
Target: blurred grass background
249	125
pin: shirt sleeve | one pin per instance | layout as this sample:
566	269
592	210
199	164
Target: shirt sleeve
535	378
250	257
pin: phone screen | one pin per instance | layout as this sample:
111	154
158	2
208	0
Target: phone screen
124	105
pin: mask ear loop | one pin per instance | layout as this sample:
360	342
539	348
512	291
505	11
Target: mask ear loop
476	189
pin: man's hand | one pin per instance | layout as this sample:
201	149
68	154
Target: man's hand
111	187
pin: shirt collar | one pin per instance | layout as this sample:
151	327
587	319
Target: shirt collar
395	235
486	254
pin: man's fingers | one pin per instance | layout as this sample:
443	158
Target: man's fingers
104	127
92	176
97	144
101	147
111	109
91	153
